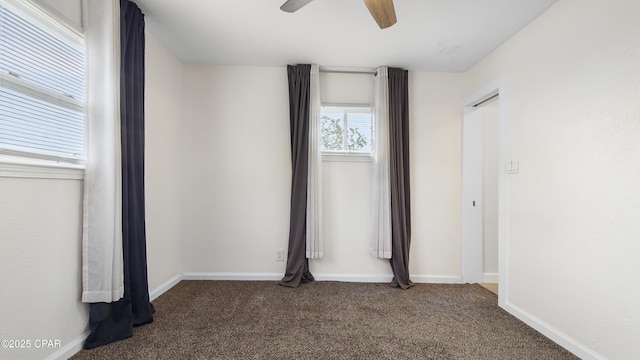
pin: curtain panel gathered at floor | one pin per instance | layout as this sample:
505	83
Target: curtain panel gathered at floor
113	321
297	270
399	176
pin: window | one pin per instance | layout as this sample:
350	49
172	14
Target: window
347	130
42	64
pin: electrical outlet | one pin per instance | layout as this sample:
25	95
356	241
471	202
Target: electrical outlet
279	255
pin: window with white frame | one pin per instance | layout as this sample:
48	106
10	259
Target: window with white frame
347	129
42	85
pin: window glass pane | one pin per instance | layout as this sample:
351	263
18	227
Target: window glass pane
347	129
332	131
34	54
41	86
30	123
359	137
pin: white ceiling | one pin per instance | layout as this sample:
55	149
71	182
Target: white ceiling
431	35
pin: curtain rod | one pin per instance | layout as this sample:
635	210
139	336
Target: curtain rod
486	100
339	71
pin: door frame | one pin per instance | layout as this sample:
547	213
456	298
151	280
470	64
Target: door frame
497	87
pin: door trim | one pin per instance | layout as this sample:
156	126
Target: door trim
496	87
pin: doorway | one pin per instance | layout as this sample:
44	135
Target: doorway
484	188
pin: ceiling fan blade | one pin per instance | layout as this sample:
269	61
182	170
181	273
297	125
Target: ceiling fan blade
293	5
382	11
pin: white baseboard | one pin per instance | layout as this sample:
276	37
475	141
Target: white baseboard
231	276
490	278
436	279
70	349
554	334
426	279
164	287
364	278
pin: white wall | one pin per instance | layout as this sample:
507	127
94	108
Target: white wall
573	80
435	148
237	176
236	168
163	156
40	267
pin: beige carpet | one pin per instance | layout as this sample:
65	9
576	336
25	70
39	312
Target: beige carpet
329	320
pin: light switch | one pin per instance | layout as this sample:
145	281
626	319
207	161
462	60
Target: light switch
512	167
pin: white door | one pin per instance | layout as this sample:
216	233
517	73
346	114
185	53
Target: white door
472	191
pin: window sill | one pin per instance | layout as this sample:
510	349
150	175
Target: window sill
11	167
350	157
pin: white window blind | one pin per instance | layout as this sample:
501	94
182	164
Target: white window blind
347	129
42	64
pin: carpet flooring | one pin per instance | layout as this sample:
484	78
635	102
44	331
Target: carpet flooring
329	320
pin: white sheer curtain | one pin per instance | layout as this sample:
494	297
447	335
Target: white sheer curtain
380	245
102	259
314	180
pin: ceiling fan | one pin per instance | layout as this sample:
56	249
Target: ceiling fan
381	10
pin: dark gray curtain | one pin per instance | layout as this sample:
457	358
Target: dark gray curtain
399	169
110	322
299	95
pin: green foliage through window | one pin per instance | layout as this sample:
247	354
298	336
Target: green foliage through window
332	137
346	129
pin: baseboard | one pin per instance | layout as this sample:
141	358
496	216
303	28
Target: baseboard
436	279
363	278
70	349
366	278
419	279
490	278
231	276
554	334
164	287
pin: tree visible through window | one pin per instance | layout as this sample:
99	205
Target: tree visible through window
346	129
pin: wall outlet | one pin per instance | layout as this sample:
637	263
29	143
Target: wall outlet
279	255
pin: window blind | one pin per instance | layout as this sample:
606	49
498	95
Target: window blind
41	86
